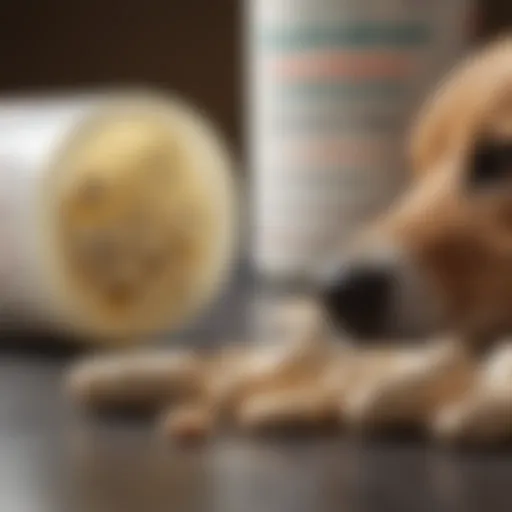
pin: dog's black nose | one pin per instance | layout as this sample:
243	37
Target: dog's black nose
358	299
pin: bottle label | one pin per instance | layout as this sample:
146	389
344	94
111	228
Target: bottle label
332	87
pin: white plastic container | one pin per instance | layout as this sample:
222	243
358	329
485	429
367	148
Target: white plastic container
116	213
332	85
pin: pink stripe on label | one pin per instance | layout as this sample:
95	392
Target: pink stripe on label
338	64
335	151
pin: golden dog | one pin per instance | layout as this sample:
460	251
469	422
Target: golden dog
442	257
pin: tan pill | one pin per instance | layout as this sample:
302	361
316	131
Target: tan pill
136	379
188	423
284	408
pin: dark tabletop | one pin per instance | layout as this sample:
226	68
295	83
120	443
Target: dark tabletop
53	459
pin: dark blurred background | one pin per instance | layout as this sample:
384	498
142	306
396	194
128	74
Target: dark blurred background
192	46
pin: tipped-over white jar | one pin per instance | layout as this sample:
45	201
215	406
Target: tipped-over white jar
116	213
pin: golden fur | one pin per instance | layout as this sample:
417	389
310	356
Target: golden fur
458	239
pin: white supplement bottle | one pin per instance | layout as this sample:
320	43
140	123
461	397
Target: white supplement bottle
117	213
332	86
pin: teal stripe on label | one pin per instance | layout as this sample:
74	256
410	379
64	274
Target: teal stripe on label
361	35
341	91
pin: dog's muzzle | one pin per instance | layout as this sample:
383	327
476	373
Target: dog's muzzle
375	297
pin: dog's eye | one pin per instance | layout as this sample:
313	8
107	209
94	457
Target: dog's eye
490	163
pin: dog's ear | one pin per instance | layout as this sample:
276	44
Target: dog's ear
453	116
